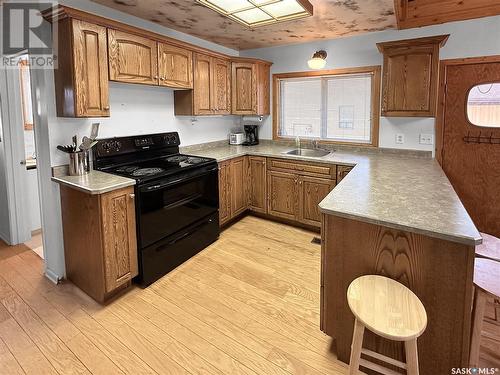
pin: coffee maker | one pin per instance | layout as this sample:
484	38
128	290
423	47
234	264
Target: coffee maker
251	135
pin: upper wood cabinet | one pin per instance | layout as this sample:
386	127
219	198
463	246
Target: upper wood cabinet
175	66
410	77
211	88
250	88
132	58
81	80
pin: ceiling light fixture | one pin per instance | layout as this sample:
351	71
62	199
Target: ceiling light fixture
254	13
318	61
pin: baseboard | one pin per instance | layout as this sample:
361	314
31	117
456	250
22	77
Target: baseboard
52	276
4	238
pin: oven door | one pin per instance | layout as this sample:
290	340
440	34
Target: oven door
170	205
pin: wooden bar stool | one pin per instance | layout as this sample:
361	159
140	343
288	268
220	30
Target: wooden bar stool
388	309
490	248
486	285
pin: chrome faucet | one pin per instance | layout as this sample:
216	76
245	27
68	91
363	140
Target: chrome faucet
315	143
297	142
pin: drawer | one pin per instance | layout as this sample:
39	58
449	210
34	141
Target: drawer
303	168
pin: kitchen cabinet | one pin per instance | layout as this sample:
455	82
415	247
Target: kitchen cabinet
81	80
175	66
282	190
238	173
224	196
100	243
132	58
295	189
211	90
342	171
410	77
233	179
250	88
257	184
311	192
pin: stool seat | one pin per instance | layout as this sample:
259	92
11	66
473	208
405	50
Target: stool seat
490	248
387	307
487	276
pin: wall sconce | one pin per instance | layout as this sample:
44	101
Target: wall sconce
318	61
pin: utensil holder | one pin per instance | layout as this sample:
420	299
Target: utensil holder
79	164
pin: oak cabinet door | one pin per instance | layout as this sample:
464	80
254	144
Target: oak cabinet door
119	238
257	186
202	85
282	191
224	189
175	66
221	86
244	92
90	70
238	183
132	59
342	171
311	192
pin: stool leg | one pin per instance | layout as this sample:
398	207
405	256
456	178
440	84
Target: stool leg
477	325
411	357
357	344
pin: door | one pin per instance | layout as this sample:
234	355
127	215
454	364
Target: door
282	190
244	93
132	59
175	66
119	237
91	69
224	206
311	192
202	85
238	176
471	153
257	187
221	86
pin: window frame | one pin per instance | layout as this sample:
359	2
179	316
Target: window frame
375	71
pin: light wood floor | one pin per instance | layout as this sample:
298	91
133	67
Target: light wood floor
249	304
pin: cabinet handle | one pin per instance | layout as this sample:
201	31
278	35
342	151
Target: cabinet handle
132	196
106	108
162	79
155	77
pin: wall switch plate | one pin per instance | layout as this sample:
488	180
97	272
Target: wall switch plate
426	139
400	138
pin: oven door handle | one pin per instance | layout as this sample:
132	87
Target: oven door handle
182	236
148	189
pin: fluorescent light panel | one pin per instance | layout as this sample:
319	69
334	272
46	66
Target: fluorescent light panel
253	13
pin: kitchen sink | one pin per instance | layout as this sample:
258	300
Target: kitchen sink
315	153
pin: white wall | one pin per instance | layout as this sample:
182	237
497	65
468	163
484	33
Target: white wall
4	203
468	38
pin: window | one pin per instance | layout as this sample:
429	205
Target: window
332	106
483	105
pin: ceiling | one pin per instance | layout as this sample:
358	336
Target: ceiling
332	19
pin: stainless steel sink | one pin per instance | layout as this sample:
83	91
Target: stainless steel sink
315	153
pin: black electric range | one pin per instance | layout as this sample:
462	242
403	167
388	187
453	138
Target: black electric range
177	198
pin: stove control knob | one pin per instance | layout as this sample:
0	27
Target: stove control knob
118	145
106	146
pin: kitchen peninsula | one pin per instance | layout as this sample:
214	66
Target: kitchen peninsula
394	214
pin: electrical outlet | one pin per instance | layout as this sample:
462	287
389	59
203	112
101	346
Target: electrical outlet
400	138
426	139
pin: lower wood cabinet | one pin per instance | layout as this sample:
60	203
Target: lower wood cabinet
257	184
233	198
100	243
342	171
282	188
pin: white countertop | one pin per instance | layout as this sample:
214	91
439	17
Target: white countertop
95	182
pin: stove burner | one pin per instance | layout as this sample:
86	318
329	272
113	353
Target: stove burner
177	158
146	172
127	169
195	160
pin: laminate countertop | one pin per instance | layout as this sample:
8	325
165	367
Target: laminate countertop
398	190
95	182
